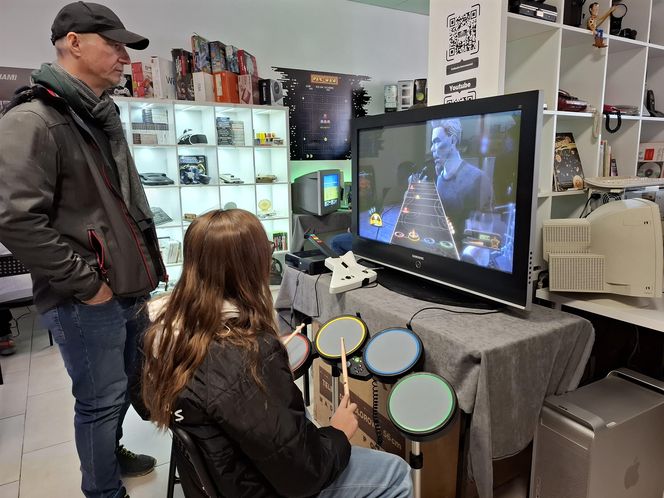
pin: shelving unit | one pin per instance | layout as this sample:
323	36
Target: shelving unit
243	160
551	56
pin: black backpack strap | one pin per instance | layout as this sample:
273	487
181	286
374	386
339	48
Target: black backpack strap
29	93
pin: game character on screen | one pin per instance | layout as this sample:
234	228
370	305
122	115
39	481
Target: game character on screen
462	187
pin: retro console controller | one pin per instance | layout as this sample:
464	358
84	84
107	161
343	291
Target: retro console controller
347	274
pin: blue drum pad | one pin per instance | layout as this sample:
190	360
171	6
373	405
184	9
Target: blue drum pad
392	352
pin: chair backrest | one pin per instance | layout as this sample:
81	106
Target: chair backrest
191	464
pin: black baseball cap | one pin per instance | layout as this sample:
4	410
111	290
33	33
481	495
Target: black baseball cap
88	17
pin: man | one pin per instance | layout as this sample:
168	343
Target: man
73	210
462	187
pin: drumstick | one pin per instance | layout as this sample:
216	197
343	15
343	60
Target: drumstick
344	367
293	334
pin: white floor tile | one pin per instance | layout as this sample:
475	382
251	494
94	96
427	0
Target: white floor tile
18	361
52	471
140	436
9	490
49	420
13	393
11	443
47	373
41	346
152	485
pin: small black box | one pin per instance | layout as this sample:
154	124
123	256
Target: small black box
537	10
311	262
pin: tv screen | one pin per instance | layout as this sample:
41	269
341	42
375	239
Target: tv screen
331	185
446	193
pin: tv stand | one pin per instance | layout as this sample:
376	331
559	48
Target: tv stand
425	290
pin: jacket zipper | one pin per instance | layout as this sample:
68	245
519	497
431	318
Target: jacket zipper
123	208
101	257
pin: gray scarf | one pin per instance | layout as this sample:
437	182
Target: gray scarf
103	111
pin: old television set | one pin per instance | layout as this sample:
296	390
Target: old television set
318	192
445	198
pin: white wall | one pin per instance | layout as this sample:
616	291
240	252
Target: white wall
325	35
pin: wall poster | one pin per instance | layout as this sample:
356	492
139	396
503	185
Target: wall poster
321	105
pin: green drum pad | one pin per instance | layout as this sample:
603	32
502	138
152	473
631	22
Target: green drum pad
422	405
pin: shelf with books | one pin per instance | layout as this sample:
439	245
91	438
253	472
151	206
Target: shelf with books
233	126
624	147
151	123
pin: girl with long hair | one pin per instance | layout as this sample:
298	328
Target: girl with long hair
213	357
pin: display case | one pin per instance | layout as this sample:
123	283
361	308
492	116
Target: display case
553	56
194	158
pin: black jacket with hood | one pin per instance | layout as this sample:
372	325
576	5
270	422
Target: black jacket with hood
258	442
60	212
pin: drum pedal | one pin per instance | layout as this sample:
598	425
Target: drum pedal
356	368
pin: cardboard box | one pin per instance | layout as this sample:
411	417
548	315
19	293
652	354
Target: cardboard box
271	92
218	56
226	87
247	86
203	87
141	76
163	78
439	473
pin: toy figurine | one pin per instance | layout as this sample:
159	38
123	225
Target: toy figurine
595	21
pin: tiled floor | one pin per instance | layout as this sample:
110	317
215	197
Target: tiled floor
37	452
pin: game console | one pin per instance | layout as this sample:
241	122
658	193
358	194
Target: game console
229	178
154	179
311	262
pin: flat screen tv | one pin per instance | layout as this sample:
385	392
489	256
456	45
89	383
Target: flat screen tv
447	194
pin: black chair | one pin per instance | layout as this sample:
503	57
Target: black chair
193	474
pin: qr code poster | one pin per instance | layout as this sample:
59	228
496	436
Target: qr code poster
465	44
462	33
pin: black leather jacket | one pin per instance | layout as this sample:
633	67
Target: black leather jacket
60	215
258	442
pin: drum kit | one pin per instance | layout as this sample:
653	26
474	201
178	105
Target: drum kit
421	405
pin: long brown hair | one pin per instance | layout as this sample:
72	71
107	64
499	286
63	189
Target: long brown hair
227	259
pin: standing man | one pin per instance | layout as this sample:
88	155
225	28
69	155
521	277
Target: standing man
462	187
73	210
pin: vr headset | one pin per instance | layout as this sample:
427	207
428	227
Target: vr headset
189	138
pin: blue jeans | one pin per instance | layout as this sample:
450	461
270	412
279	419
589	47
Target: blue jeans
99	345
369	474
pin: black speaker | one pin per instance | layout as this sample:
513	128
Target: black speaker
573	12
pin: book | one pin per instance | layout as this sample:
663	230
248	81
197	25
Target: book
218	56
200	51
650	161
162	78
567	169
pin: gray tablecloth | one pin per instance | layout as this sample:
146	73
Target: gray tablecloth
306	223
502	365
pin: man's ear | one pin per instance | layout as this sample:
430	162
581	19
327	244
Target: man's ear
74	43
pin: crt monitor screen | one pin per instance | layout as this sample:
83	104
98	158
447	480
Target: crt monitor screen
451	190
331	185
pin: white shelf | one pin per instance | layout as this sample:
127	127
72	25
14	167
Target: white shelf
640	311
568	193
524	27
569	114
243	161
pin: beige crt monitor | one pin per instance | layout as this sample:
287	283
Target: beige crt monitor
616	249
